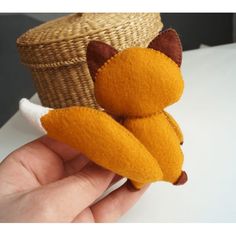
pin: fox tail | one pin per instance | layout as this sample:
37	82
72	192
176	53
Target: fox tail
33	112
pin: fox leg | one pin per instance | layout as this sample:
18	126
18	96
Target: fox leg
137	185
175	126
183	178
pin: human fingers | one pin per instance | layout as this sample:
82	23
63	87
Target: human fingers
62	200
114	205
63	150
75	165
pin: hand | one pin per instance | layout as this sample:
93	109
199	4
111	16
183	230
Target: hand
47	181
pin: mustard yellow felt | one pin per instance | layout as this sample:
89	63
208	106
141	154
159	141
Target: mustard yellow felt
138	82
161	140
175	126
104	141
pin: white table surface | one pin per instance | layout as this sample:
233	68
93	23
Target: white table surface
207	115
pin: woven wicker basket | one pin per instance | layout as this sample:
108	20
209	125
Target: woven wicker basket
55	51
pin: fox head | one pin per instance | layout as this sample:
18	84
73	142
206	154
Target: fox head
137	82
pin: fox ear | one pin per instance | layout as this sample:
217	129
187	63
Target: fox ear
168	42
97	54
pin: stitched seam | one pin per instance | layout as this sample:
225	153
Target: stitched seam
106	63
165	56
173	126
146	116
179	42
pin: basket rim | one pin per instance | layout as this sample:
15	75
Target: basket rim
20	43
71	62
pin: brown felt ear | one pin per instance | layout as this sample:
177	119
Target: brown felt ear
168	42
97	54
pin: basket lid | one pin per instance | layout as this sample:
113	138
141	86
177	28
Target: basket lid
63	41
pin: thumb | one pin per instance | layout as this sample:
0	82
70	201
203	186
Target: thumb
66	198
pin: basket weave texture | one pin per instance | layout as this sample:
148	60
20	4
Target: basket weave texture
55	51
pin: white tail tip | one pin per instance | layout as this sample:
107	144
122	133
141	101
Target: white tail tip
33	112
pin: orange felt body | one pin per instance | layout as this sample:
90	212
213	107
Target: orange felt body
104	141
161	140
175	126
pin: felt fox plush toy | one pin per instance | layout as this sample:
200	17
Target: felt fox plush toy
135	137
